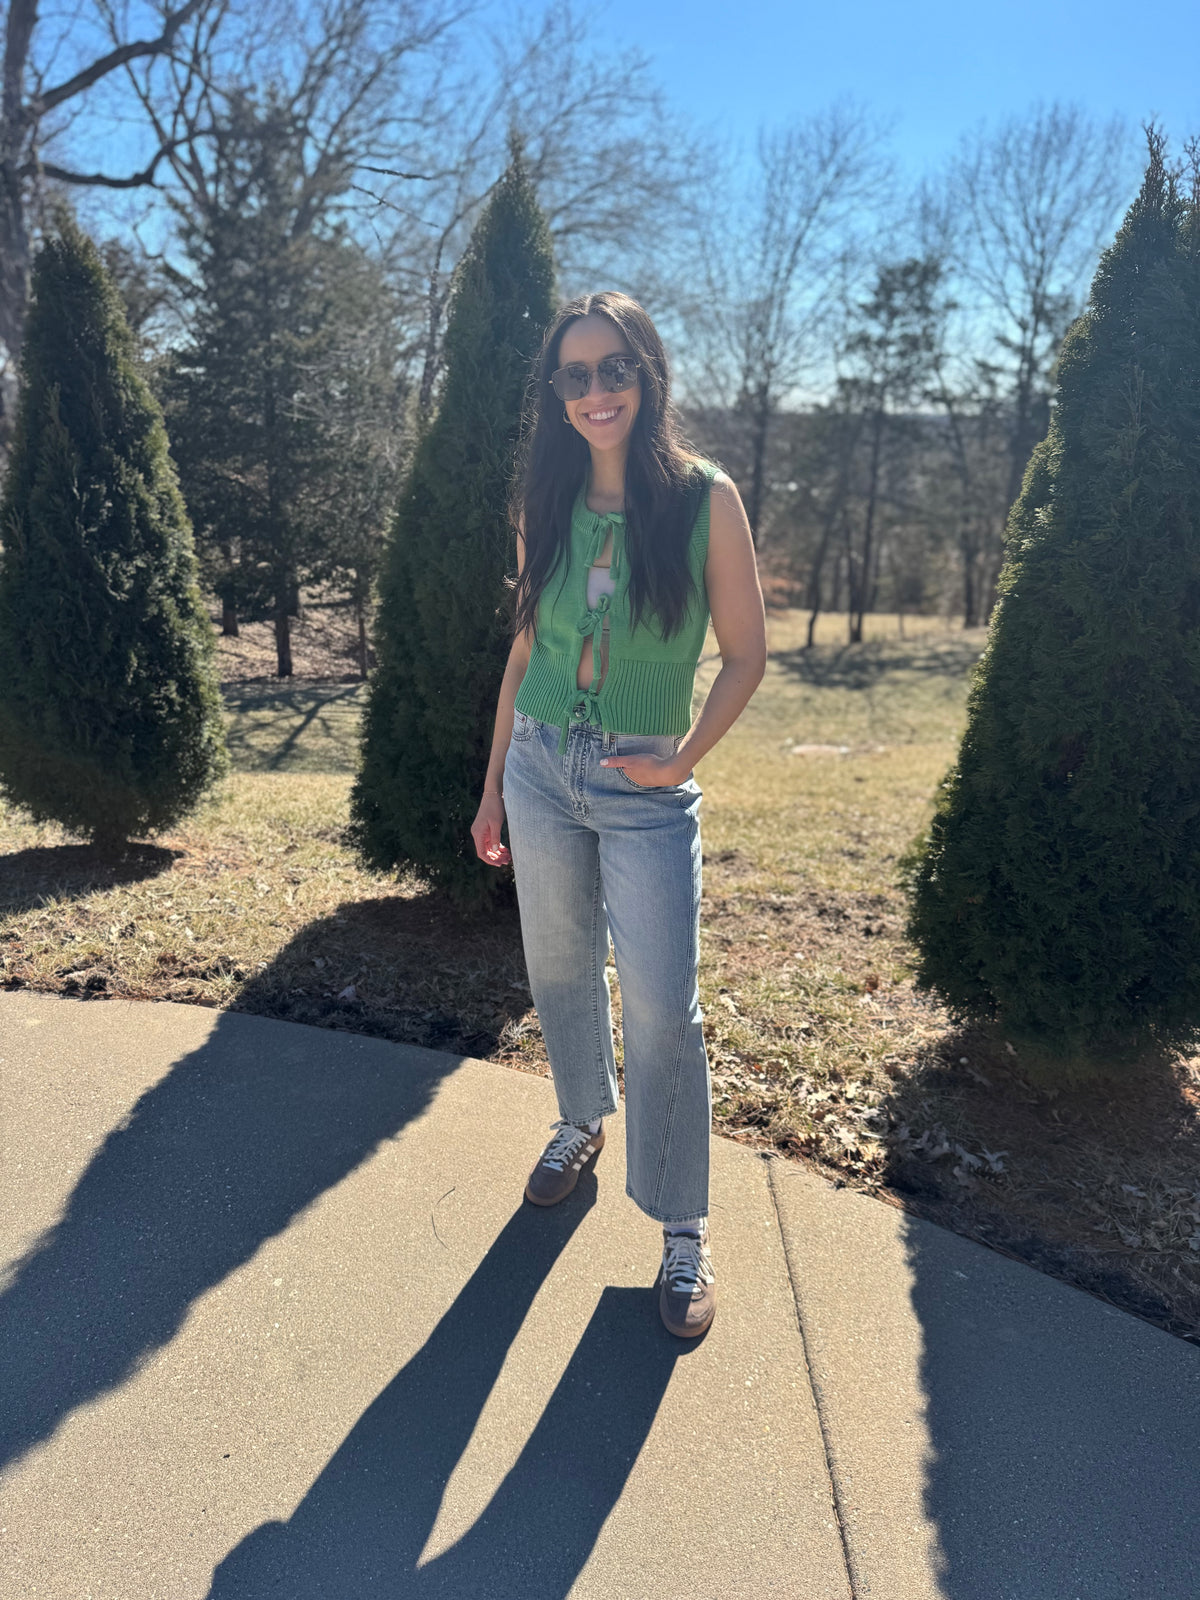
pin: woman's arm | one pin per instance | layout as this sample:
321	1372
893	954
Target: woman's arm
489	819
735	604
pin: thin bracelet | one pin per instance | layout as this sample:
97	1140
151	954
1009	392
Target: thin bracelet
500	792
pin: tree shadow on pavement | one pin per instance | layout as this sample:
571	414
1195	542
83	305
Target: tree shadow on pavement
216	1157
362	1526
72	871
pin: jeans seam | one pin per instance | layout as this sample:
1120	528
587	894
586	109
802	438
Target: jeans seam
597	980
669	1118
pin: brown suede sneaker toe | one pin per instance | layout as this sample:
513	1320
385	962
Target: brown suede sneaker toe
687	1298
563	1159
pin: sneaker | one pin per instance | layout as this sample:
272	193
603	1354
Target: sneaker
557	1173
687	1298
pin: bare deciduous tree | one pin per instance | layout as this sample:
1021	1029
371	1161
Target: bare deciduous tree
889	356
1036	200
620	179
768	263
33	111
343	75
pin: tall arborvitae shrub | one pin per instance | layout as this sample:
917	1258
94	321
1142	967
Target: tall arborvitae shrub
443	629
1058	891
110	718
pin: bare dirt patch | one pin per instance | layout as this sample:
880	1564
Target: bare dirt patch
324	647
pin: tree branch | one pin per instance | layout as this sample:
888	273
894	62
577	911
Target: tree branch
103	65
135	180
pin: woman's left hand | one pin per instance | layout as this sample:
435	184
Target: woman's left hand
649	771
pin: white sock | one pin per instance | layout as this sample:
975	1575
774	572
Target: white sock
592	1127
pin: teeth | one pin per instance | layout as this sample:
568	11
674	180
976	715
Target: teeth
602	416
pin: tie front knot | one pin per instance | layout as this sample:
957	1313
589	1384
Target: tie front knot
589	620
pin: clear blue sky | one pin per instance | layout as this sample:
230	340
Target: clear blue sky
936	66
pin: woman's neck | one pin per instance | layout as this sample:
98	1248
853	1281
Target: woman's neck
606	480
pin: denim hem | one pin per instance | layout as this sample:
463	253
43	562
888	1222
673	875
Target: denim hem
656	1216
591	1116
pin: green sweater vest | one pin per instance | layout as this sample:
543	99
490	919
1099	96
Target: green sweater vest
650	680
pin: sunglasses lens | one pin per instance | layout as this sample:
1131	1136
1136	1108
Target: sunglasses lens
571	383
617	373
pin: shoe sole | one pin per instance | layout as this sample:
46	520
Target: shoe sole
583	1166
688	1333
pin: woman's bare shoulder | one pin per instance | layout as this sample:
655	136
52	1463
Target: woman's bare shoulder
725	493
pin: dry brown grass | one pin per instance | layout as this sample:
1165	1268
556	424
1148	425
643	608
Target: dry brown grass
819	1045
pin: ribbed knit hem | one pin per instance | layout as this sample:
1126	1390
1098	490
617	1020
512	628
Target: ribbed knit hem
635	697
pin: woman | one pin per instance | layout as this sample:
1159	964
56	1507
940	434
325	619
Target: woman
626	543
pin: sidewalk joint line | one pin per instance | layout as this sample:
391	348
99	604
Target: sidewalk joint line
857	1587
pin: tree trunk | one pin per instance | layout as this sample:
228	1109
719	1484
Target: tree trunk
109	844
14	230
872	601
815	576
229	619
283	644
360	614
970	593
760	423
434	304
859	590
284	595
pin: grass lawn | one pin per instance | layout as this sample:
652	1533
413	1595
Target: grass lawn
819	1046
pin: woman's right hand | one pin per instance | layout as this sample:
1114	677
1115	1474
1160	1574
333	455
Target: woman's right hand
485	831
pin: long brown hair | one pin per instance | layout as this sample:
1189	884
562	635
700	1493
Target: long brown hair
663	482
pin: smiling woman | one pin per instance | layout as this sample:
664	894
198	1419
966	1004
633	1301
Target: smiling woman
627	543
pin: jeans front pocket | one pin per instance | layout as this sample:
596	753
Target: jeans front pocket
523	726
661	745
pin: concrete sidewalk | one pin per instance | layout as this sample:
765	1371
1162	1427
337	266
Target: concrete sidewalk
275	1321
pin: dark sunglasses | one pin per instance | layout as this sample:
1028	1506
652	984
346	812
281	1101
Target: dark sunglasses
615	373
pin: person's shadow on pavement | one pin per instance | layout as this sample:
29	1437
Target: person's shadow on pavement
362	1526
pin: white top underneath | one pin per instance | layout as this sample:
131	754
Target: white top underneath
600	581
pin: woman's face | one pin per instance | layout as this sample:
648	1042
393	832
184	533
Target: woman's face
605	420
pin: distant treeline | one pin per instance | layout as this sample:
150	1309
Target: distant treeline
871	360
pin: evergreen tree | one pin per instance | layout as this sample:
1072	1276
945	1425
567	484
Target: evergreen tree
271	400
110	719
1059	888
442	630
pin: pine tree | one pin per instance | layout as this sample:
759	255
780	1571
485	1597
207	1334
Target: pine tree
110	718
1058	891
280	291
442	634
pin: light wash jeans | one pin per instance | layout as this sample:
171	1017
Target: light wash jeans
594	851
